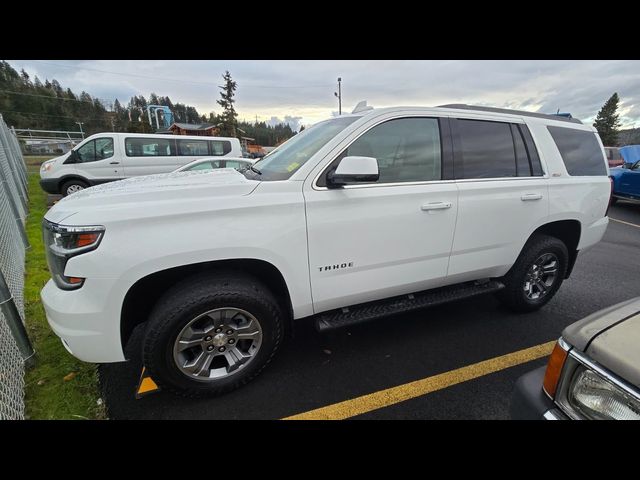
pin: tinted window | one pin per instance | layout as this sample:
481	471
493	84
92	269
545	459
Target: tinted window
580	151
95	150
536	166
148	147
192	147
523	169
407	149
219	147
487	149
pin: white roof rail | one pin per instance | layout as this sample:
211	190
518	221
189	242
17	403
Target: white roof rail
362	107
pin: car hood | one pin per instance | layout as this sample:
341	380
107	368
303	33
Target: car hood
611	338
165	190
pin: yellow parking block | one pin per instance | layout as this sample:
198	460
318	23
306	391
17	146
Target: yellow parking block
146	385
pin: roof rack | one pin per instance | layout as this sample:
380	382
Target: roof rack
557	118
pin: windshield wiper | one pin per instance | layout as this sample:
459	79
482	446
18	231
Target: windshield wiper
254	169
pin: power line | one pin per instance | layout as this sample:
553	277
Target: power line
208	84
102	100
39	114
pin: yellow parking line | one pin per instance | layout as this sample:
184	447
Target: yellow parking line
626	223
391	396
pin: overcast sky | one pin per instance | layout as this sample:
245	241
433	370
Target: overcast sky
303	91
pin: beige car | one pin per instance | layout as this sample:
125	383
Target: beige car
593	372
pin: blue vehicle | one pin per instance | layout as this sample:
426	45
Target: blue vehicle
626	179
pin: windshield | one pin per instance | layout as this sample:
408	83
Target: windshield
281	163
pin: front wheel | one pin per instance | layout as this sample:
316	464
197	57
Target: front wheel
212	334
72	186
537	274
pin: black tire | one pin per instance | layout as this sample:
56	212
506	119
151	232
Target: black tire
193	297
64	190
513	295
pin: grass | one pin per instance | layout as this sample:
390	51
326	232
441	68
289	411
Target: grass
59	386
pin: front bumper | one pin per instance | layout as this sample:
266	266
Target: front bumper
529	402
50	185
87	320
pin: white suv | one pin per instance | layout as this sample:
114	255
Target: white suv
360	216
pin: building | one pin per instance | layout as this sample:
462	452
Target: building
204	129
48	147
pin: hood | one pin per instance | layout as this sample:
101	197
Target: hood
156	191
59	159
630	153
617	349
611	338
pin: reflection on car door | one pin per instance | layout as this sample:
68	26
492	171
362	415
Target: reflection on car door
390	237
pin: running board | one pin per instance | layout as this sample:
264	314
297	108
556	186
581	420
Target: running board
365	312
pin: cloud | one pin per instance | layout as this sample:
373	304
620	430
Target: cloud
304	89
294	122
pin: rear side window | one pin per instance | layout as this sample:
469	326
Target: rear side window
580	151
193	147
149	147
219	147
487	149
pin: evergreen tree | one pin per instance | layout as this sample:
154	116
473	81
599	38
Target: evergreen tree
608	121
301	128
229	117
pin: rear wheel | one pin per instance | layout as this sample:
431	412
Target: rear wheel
72	186
537	274
212	334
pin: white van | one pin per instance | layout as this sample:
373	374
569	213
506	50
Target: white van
106	157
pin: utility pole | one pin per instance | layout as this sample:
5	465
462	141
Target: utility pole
339	95
113	127
81	132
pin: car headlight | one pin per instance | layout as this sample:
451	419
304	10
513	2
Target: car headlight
595	397
62	243
46	166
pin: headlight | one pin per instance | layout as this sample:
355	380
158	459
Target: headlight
46	166
597	398
62	243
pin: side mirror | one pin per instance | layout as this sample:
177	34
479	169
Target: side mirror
354	170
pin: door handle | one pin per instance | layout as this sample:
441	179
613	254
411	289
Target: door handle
531	196
114	163
435	206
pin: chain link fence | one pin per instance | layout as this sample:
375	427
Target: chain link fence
15	349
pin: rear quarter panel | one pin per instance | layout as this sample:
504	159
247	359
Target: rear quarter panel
582	198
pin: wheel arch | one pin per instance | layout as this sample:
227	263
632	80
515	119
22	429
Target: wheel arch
72	176
143	295
568	231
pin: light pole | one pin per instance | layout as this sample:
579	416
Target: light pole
81	132
339	95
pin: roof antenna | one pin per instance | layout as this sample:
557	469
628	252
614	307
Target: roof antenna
362	107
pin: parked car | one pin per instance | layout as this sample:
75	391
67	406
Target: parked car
210	163
626	182
361	216
106	157
613	156
593	372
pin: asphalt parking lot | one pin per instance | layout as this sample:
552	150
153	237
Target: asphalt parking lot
457	361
